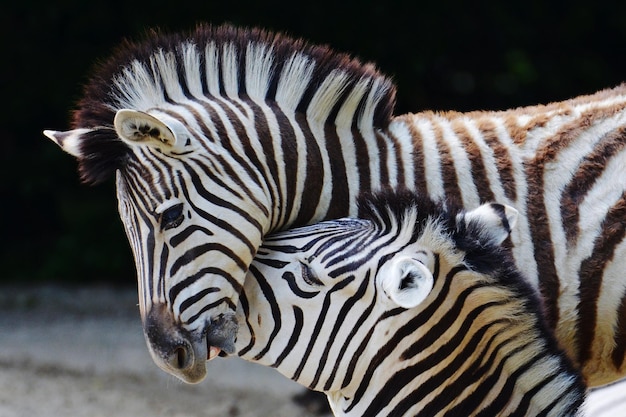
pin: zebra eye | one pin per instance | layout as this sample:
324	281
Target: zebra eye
309	276
172	217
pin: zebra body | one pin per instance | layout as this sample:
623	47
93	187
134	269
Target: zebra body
223	136
413	310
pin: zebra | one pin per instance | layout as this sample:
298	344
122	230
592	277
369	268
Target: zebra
219	136
411	310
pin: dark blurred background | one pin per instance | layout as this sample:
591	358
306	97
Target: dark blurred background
443	55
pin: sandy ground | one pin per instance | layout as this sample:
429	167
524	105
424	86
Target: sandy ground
81	352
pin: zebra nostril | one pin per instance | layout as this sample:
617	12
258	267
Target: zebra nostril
180	357
175	349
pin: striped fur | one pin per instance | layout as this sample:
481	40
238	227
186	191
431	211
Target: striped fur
253	132
316	306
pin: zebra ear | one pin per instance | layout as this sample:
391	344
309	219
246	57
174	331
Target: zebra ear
68	141
139	128
405	281
494	221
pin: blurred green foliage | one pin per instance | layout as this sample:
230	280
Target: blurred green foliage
443	55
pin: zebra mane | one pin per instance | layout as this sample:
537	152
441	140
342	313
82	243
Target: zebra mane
225	61
397	211
391	211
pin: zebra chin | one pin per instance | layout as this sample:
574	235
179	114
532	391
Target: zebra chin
184	353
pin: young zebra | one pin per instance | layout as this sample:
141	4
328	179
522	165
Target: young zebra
222	136
413	310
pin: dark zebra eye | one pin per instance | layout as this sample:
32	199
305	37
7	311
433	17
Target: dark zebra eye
172	217
309	276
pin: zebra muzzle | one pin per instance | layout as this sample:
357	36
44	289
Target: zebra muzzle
182	352
183	357
188	359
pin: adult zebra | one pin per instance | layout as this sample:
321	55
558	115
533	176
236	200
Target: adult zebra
224	135
413	310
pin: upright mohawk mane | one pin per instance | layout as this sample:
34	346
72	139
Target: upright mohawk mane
391	209
225	60
390	206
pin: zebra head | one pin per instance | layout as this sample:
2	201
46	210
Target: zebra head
211	135
407	308
185	229
311	284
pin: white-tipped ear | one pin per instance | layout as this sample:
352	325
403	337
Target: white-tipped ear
406	281
496	221
136	127
68	141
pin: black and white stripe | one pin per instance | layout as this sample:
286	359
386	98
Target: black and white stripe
413	310
253	132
